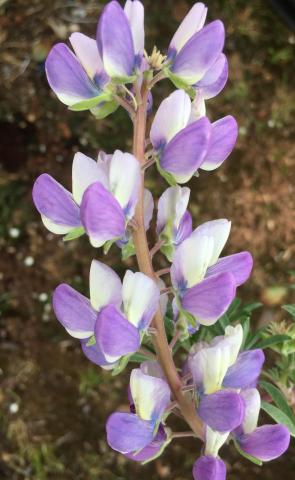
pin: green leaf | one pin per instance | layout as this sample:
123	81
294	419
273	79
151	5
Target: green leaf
246	455
279	416
91	341
290	309
278	398
121	365
275	339
104	109
252	306
166	175
74	233
138	357
107	246
246	330
253	338
90	102
128	250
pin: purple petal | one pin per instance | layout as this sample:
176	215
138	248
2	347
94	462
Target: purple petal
209	468
101	215
73	311
185	228
239	265
128	433
114	335
210	298
245	372
115	42
54	202
95	355
266	442
214	79
67	77
222	411
185	153
223	139
152	449
199	53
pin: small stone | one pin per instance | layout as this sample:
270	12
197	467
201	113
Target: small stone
29	261
14	408
243	131
43	297
14	232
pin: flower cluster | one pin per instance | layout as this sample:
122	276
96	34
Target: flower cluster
216	392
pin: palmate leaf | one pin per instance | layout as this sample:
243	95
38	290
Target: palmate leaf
279	416
275	339
278	398
290	309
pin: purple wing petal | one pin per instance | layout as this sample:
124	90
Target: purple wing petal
95	355
209	468
185	228
115	42
199	53
114	335
185	153
210	298
223	139
152	449
101	215
214	79
266	442
67	77
73	311
245	372
239	265
54	202
222	411
128	433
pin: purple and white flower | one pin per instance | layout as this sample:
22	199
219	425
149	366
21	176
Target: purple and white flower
194	53
103	201
204	284
111	324
140	435
183	143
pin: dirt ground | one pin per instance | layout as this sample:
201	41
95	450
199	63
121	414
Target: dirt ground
53	403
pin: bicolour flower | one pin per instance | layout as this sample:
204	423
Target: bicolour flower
208	467
266	442
194	49
183	144
174	222
120	38
205	284
140	435
104	197
111	324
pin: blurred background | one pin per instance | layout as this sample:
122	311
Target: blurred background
53	402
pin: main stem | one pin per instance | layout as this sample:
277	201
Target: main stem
162	348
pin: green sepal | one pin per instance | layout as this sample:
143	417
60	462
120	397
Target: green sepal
105	109
179	83
246	455
74	233
91	341
128	250
166	175
107	246
124	80
138	357
168	251
121	365
90	102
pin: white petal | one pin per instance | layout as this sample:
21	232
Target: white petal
191	24
135	13
172	116
148	208
219	230
198	109
214	441
86	171
252	409
79	334
191	260
105	286
87	52
172	206
140	297
150	394
125	180
54	227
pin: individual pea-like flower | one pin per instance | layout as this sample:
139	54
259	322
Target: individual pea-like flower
195	53
208	467
182	145
120	39
174	222
103	201
112	323
140	435
82	80
266	442
204	284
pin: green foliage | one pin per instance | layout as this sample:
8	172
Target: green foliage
73	234
279	416
278	398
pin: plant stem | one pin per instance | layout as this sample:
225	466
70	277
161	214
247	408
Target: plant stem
163	271
183	434
162	348
125	104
